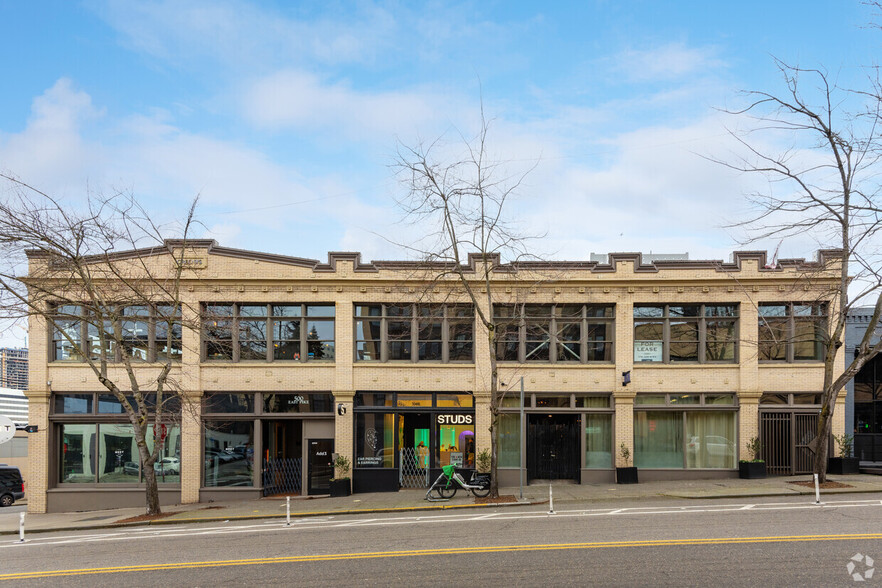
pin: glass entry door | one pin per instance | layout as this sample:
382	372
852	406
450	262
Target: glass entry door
414	442
321	467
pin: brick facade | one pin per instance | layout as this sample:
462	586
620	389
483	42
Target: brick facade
228	276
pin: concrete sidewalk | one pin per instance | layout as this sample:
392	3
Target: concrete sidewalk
571	495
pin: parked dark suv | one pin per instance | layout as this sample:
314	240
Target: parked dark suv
11	485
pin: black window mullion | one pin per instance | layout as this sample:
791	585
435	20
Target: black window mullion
666	336
151	334
445	335
384	336
583	339
235	333
522	338
702	334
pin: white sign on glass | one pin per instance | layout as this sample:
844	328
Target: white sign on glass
647	351
7	429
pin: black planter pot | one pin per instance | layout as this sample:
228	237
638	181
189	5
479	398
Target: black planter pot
340	488
626	475
843	465
751	470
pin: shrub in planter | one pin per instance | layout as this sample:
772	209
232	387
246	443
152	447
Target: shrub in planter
341	484
844	464
627	474
753	468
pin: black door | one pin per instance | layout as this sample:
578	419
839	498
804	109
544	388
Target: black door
553	447
321	468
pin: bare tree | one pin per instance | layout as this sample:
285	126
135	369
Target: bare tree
460	203
824	184
92	274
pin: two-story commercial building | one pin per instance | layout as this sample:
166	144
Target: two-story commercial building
388	363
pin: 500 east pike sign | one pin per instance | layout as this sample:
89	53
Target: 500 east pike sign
455	419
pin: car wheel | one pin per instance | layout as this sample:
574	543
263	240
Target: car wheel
6	500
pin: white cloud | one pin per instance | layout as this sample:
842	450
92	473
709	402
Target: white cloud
298	100
50	152
668	62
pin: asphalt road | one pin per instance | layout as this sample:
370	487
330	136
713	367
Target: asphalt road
770	542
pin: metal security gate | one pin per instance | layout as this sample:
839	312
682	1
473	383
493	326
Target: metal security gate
413	469
553	447
282	476
785	438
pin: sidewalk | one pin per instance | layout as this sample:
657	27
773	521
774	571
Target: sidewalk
571	495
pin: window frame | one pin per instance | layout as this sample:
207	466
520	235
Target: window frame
701	320
791	319
118	318
671	406
269	321
517	318
416	323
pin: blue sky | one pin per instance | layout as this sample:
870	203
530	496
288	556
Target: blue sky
284	116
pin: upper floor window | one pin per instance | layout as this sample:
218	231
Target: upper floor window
670	333
414	332
268	332
577	333
792	331
139	333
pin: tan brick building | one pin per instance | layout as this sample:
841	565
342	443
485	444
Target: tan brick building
382	362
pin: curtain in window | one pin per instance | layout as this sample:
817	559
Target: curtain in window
598	441
658	439
710	440
509	441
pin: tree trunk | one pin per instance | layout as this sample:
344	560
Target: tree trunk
825	424
149	473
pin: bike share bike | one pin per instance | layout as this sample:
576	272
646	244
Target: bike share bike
450	481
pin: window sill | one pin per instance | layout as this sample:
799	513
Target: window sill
395	363
683	365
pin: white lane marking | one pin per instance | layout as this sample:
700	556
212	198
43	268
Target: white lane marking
308	524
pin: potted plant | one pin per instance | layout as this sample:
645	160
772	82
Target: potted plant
755	467
483	461
845	463
627	474
340	484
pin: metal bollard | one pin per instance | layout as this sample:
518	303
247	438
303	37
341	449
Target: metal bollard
287	511
21	529
817	491
550	501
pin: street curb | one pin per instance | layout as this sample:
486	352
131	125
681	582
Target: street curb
301	515
427	508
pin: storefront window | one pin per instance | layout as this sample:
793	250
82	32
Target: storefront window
374	440
412	400
73	403
456	445
229	403
78	454
298	403
552	401
710	440
509	455
658	439
598	440
117	454
167	466
592	401
454	401
229	453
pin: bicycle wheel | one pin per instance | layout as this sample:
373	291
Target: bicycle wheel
481	492
446	491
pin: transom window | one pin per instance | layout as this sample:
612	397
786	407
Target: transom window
792	331
672	333
146	333
268	332
574	333
414	332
